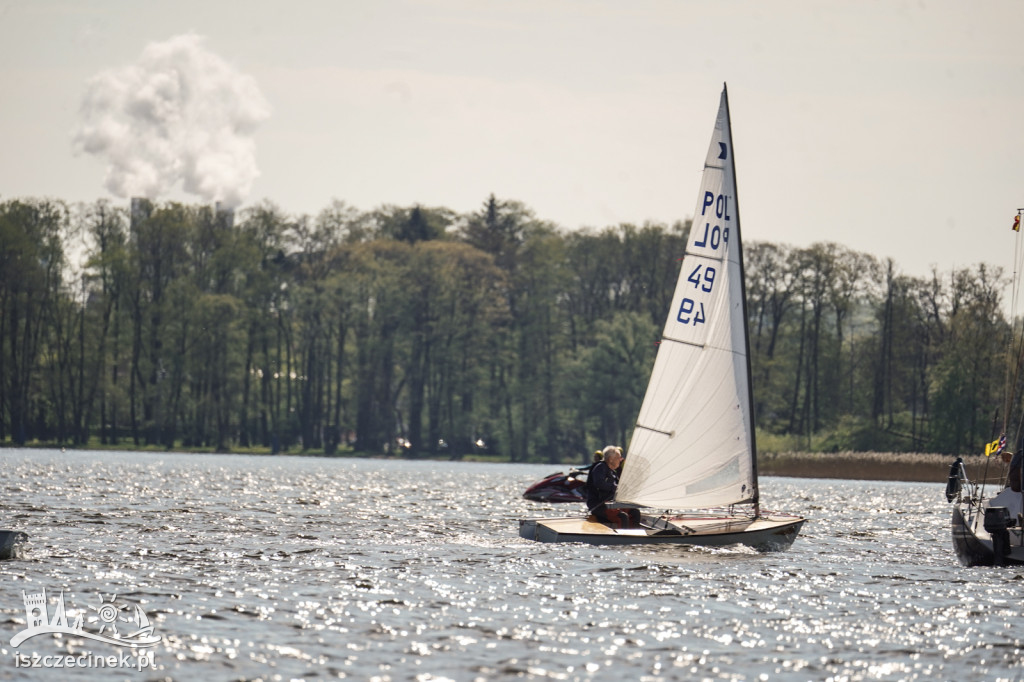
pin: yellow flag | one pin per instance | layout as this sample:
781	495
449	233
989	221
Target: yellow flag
992	447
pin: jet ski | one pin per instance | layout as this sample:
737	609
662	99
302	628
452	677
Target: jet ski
559	487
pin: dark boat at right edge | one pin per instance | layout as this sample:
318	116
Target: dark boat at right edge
988	530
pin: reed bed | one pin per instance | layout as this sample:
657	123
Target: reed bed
874	466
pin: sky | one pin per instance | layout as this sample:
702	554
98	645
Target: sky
892	128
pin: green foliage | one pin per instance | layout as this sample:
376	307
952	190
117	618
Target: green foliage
861	434
611	375
768	442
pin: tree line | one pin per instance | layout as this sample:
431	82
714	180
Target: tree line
424	332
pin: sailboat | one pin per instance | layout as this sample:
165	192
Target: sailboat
693	445
142	620
988	530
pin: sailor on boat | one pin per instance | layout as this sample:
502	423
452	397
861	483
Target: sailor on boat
598	456
602	482
1013	478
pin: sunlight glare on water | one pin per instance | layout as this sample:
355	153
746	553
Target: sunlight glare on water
287	567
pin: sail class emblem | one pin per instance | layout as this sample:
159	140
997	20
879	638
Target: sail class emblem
724	151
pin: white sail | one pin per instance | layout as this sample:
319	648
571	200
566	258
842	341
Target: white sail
693	444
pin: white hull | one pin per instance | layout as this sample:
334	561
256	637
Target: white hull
772	532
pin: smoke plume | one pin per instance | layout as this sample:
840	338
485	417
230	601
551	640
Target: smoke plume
180	114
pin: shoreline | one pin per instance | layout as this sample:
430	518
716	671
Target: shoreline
868	466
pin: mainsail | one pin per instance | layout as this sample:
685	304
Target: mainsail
693	444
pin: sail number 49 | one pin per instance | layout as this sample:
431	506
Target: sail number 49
691	312
708	279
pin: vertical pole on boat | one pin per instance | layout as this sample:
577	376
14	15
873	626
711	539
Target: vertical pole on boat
1015	358
743	289
1020	486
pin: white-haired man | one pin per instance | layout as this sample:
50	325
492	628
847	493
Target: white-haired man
602	482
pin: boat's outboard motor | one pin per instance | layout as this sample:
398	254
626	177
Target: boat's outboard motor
956	479
997	520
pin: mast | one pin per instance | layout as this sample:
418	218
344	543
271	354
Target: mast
1014	357
746	317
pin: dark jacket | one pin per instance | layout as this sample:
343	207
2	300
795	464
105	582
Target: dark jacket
602	482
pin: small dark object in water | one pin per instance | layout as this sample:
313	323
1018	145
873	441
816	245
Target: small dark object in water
9	541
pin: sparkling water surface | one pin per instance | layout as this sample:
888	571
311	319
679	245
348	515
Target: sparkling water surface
283	568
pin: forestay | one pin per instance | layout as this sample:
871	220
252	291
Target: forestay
693	444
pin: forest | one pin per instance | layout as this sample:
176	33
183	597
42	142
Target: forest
422	332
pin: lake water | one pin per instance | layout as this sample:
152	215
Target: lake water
280	568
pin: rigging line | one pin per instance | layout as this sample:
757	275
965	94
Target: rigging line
682	342
1012	385
703	346
713	259
1007	388
648	428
